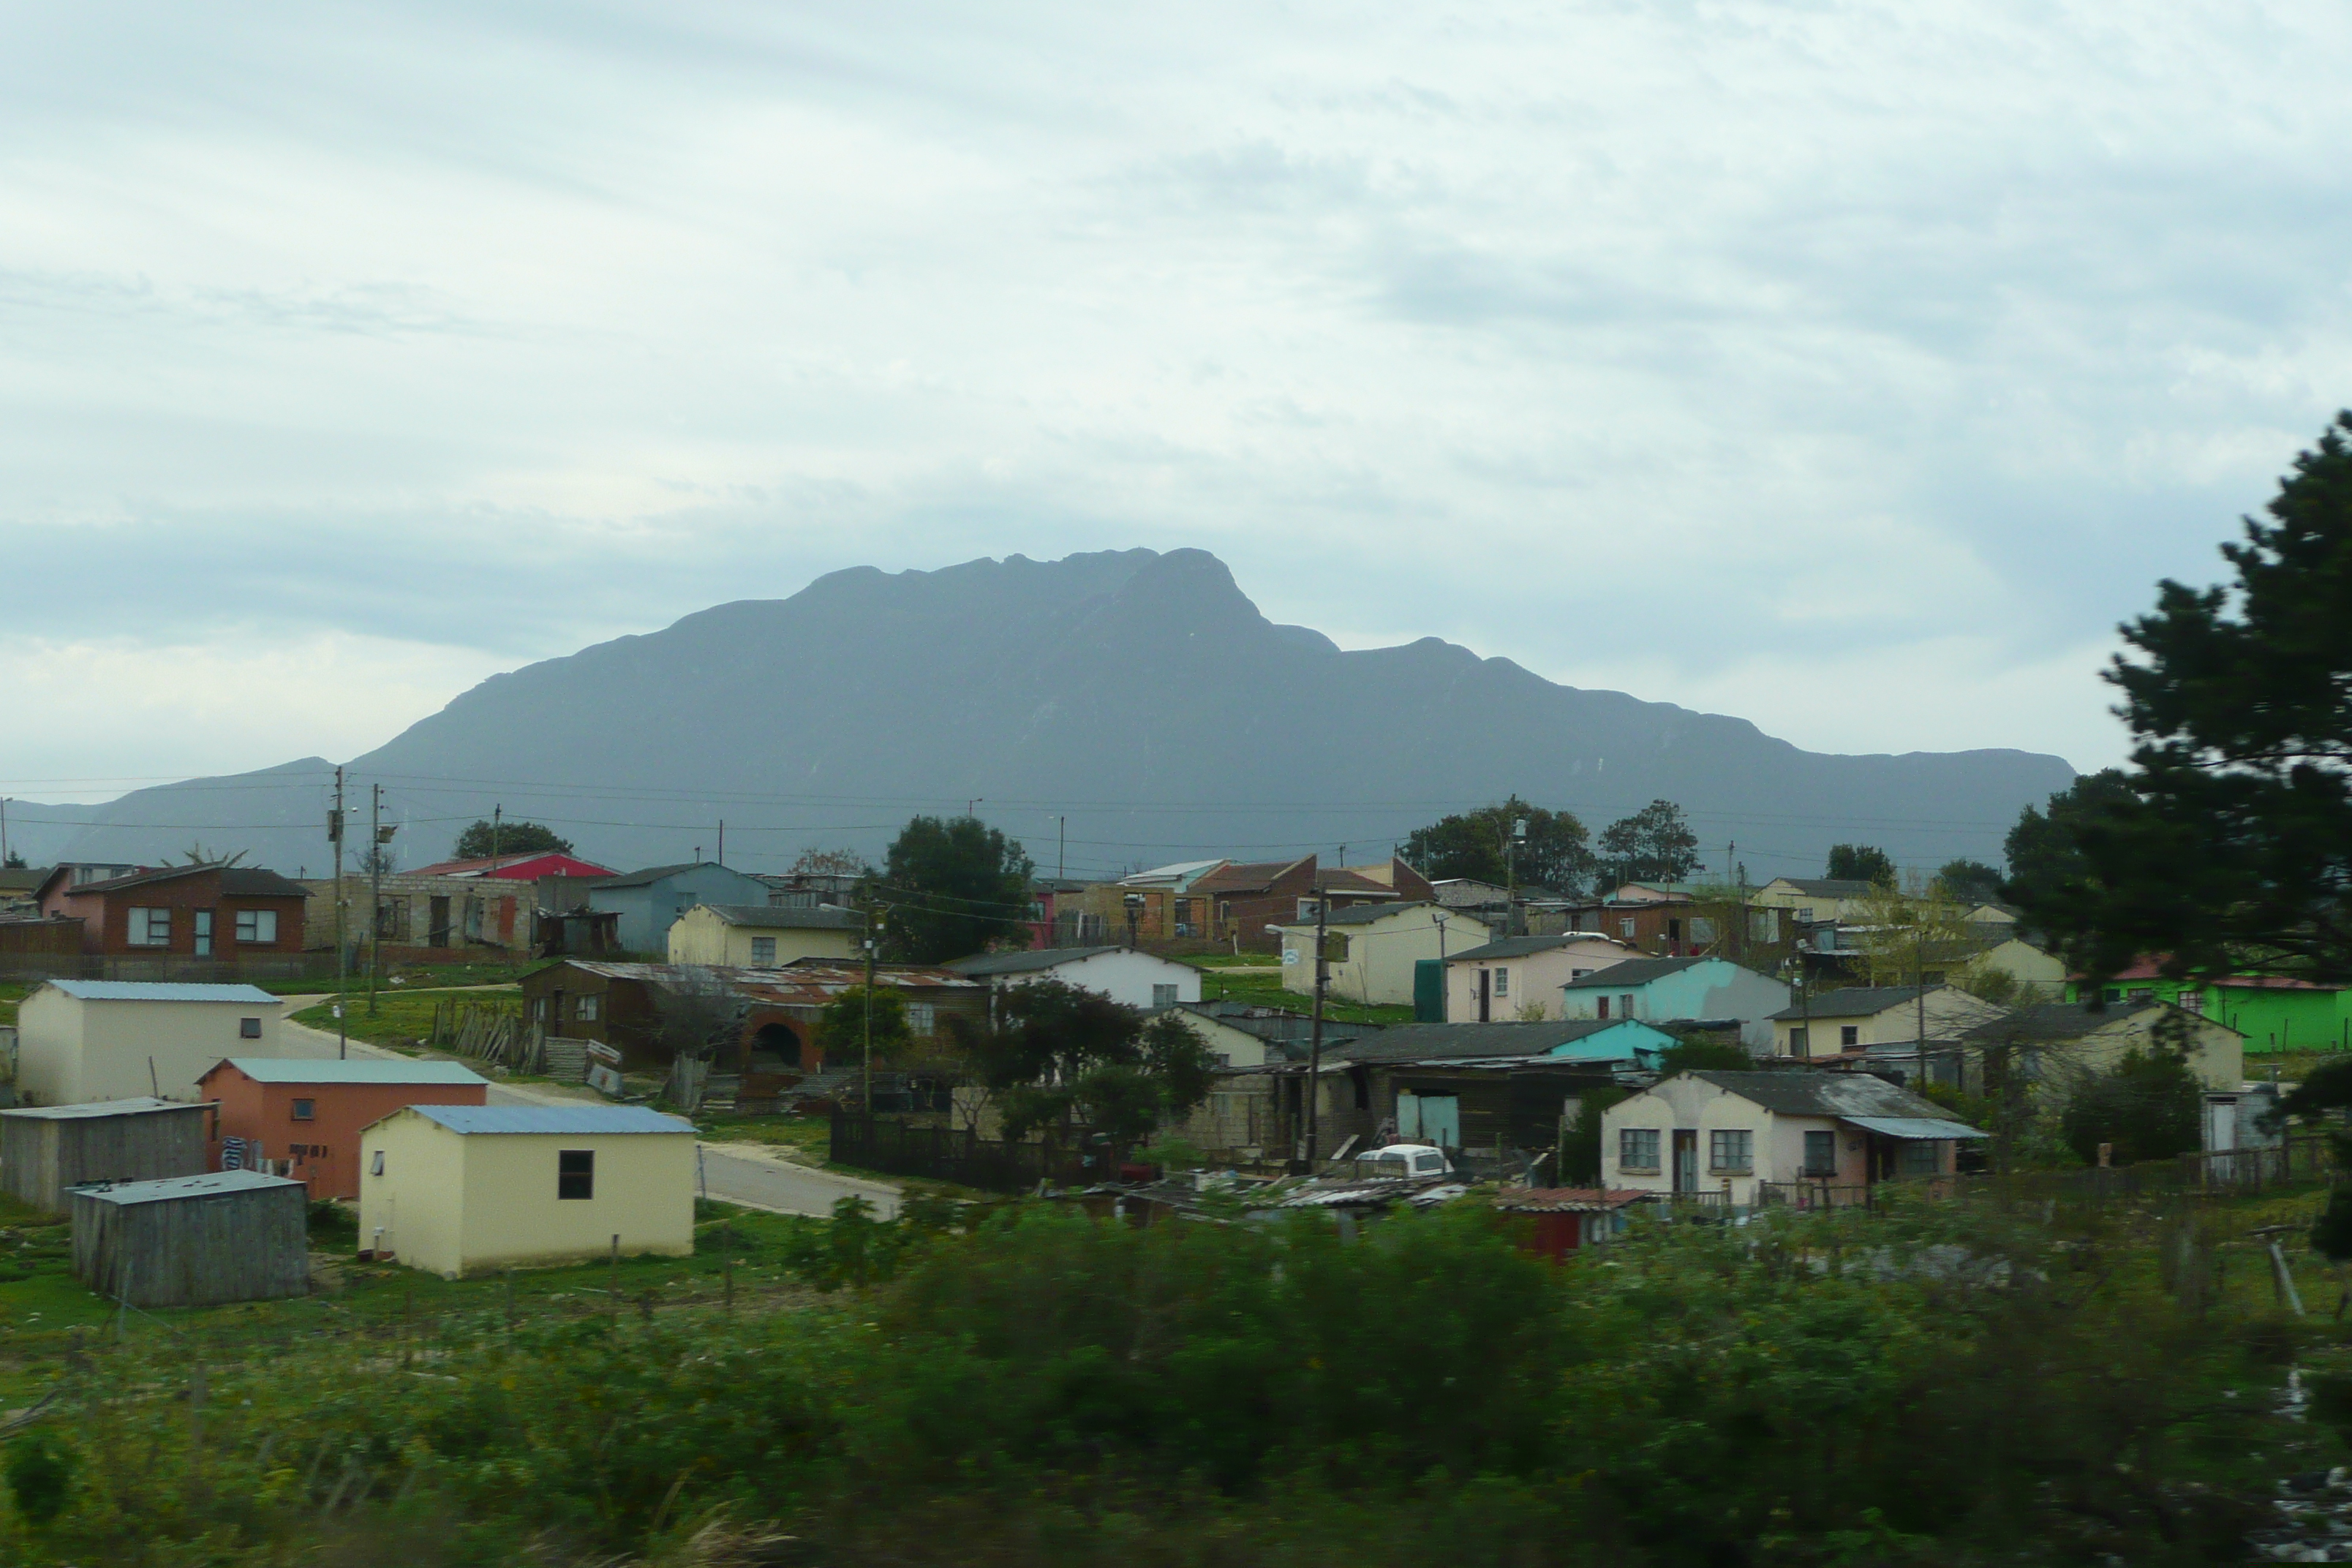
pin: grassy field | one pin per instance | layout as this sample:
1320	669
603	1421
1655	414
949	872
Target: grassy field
430	975
1263	988
11	992
402	1018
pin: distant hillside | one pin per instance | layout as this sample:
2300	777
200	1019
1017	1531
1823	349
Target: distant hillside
1140	695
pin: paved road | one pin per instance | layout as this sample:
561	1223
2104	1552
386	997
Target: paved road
729	1171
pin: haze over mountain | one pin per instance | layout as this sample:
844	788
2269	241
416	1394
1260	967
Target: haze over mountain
1140	697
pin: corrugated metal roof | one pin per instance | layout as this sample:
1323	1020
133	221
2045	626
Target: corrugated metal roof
777	917
1635	972
355	1069
1525	946
160	991
1853	1002
1026	959
577	1121
142	1106
1569	1200
1916	1127
212	1184
1849	1096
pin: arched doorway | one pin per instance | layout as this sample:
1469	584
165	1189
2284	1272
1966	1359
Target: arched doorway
773	1048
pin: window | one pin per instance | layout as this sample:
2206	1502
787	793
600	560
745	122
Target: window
1306	912
1805	916
763	950
257	925
1702	930
2192	1002
1919	1157
1576	974
306	1111
587	1008
1674	931
1626	926
1502	982
1848	1034
150	928
1731	1151
249	1028
922	1017
575	1174
1820	1155
375	1167
1601	1010
1626	1005
204	944
1800	1042
1163	996
1637	1148
1429	1164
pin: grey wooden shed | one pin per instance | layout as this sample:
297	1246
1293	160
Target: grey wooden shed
46	1151
194	1241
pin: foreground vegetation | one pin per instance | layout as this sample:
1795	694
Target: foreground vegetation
1949	1385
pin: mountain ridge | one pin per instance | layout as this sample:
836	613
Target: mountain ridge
1138	697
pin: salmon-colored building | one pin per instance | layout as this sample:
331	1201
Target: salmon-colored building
302	1118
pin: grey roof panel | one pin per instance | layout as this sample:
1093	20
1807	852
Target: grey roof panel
777	917
1024	961
1421	1042
160	991
1853	1002
1916	1128
213	1184
583	1120
1805	1092
1523	946
2067	1020
355	1070
1633	972
141	1106
651	874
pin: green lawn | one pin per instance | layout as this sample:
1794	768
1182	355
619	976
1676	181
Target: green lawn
487	972
402	1018
11	992
1267	990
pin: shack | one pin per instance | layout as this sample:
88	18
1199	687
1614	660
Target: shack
457	1189
305	1116
47	1151
194	1241
1567	1219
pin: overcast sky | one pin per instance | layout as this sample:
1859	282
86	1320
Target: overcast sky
1851	367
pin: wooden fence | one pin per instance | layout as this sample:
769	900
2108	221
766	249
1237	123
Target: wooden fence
496	1033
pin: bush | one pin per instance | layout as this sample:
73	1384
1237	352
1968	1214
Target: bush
41	1474
2147	1108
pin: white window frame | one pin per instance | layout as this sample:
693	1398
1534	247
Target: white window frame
587	1009
1631	1142
1731	1151
256	926
1502	982
922	1017
759	958
140	931
1164	995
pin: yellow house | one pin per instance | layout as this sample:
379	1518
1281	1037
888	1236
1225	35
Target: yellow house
458	1189
1815	900
84	1041
1373	948
761	936
1860	1016
2061	1044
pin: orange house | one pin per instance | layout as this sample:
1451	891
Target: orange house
302	1118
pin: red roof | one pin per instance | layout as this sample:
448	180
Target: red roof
2150	967
518	867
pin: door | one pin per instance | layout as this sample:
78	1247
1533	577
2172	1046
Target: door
1685	1160
1486	995
437	932
1440	1120
204	934
1428	991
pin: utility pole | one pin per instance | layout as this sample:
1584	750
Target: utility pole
4	829
870	911
1315	1046
376	835
722	841
342	954
1061	847
1445	981
495	813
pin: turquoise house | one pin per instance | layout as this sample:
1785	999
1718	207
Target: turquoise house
1680	990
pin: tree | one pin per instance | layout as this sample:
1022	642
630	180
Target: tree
832	863
2043	850
699	1014
1653	844
1899	937
1056	1055
14	862
1580	1147
1861	863
2232	845
841	1027
2146	1108
1704	1053
1969	882
954	887
1475	845
512	838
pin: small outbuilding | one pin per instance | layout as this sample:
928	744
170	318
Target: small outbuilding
1121	974
194	1241
1567	1219
303	1118
83	1040
45	1153
458	1189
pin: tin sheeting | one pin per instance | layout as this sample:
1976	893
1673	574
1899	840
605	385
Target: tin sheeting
1914	1127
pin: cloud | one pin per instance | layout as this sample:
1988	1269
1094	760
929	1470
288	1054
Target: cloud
1693	349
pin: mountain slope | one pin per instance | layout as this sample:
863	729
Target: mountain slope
1140	695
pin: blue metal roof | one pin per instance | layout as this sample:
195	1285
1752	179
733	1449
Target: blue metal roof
211	1184
160	991
355	1070
573	1121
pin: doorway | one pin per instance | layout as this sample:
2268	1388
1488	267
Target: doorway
1685	1160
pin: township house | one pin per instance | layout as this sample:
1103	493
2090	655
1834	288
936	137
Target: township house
1138	979
2275	1010
1374	951
302	1118
777	1010
220	913
2059	1044
460	1189
84	1041
1494	982
1682	988
1817	901
1875	1019
648	901
761	936
1738	1136
1232	903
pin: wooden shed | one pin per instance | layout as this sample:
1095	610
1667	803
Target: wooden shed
46	1151
194	1241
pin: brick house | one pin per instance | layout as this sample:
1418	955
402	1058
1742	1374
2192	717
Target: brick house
226	912
304	1116
1239	901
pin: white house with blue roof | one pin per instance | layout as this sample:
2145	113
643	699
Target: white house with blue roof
84	1041
650	901
460	1189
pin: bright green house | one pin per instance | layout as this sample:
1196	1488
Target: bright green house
2276	1013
